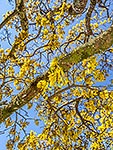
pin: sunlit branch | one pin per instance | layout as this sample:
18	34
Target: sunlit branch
97	45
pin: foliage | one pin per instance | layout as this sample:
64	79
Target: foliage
59	65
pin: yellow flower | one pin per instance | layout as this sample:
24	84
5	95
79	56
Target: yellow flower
101	128
42	85
44	21
76	92
57	17
95	146
45	31
16	82
96	25
52	79
111	95
104	94
38	19
98	75
54	63
89	81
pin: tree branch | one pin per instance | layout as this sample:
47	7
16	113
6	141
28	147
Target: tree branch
94	46
97	45
14	13
21	12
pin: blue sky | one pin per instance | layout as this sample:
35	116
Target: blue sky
4	7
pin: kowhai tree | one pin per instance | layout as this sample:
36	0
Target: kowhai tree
56	58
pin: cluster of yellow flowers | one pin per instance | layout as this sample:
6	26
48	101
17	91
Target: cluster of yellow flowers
25	67
30	142
90	105
43	85
56	75
41	20
65	6
3	55
53	42
8	122
19	41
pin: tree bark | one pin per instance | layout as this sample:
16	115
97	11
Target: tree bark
95	46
